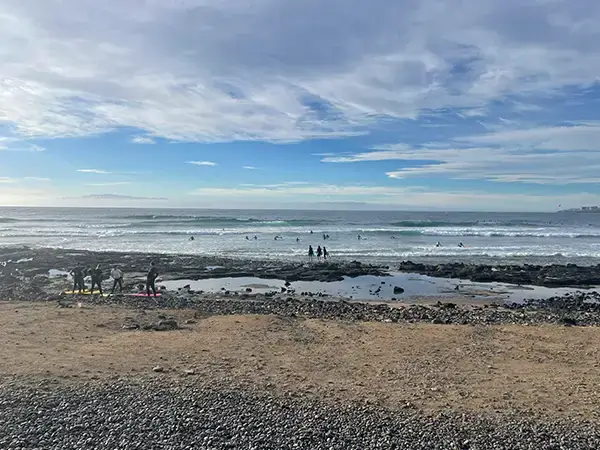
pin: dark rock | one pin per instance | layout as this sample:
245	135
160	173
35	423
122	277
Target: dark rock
398	290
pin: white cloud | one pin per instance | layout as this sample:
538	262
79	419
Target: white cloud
249	167
202	163
114	183
119	197
545	155
18	145
96	171
143	140
281	71
38	179
413	198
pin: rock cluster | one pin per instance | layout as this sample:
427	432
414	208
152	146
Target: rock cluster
532	312
570	275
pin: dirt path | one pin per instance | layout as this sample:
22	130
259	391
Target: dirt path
545	369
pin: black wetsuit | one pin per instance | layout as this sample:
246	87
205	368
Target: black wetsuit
150	281
78	279
96	280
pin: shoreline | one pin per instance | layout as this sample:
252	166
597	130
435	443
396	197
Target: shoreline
37	261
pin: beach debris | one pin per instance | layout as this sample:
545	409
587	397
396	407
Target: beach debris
398	290
158	369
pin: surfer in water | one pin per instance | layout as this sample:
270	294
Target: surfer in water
96	279
151	279
461	245
78	274
438	244
191	238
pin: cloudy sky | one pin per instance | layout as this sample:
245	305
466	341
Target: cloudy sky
413	104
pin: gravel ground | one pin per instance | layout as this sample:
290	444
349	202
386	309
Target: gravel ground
571	310
120	415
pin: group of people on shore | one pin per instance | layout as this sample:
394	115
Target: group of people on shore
321	252
97	276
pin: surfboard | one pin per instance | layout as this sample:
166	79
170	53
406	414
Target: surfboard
86	292
143	295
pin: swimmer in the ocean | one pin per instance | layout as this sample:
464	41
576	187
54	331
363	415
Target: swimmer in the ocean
359	238
461	245
191	238
297	239
247	238
438	244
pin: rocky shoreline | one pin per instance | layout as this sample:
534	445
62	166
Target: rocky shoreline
24	277
150	414
554	275
575	310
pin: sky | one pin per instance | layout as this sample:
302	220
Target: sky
327	104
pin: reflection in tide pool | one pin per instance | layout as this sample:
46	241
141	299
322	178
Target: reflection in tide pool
375	288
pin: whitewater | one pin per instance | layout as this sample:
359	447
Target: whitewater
386	237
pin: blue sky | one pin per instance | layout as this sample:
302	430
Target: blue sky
470	105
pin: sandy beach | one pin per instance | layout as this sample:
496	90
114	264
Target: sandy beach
464	371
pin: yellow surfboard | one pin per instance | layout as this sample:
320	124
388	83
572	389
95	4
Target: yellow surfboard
86	292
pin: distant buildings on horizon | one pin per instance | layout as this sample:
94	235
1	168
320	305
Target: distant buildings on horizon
593	209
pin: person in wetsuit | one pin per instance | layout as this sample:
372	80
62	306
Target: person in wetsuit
319	252
325	253
151	279
78	274
117	276
96	279
311	253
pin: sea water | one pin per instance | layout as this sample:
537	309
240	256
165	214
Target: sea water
386	237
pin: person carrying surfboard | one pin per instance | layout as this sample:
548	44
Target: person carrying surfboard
151	279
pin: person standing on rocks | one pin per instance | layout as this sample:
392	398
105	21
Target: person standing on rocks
311	253
151	279
96	275
78	274
325	253
319	252
117	276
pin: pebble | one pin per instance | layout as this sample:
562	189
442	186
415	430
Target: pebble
119	415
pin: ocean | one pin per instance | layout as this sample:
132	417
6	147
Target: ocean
386	236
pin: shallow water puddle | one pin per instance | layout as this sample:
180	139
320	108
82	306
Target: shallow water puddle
375	288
